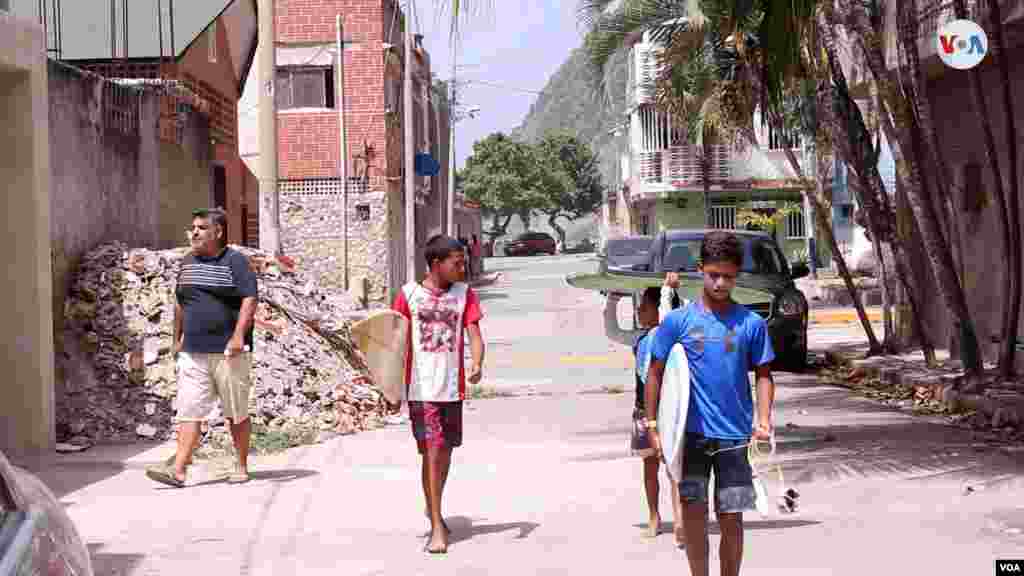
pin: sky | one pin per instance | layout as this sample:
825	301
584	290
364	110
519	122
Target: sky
516	43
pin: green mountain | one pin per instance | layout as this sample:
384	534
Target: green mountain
571	102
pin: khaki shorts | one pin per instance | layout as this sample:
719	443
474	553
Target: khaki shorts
205	378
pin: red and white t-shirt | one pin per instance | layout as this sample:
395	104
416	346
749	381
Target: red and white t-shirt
435	368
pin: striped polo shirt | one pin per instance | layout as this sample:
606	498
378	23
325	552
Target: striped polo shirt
210	291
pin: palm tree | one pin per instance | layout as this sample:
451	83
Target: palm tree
864	24
853	141
756	50
919	197
1008	203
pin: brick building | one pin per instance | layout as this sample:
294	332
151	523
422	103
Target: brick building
370	251
205	47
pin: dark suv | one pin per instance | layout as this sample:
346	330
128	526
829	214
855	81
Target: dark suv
765	284
530	243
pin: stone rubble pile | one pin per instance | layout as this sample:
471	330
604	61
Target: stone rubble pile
119	372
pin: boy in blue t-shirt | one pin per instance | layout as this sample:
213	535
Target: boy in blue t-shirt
723	341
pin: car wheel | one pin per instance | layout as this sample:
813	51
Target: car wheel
796	359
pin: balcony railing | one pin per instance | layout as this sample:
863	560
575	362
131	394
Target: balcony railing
681	166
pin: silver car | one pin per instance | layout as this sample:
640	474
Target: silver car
36	534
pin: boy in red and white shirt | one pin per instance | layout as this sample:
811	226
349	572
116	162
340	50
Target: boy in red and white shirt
440	310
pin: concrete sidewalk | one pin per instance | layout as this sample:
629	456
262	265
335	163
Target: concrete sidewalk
546	486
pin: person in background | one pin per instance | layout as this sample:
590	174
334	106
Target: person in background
655	304
475	255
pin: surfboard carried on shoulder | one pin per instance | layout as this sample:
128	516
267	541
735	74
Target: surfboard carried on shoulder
673	407
383	338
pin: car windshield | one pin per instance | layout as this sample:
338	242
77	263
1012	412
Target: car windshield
631	247
759	256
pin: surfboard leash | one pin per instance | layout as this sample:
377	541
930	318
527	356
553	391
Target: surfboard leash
787	502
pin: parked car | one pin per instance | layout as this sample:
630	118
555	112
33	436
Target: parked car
531	243
36	534
765	284
624	253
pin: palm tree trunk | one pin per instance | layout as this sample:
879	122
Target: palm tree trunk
1008	352
921	202
868	36
902	257
819	213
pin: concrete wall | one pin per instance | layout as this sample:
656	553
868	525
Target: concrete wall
118	182
117	178
27	433
980	251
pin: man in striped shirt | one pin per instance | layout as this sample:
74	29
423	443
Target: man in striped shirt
213	341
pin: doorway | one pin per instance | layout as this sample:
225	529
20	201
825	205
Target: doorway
220	187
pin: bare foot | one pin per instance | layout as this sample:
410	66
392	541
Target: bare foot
438	542
653	527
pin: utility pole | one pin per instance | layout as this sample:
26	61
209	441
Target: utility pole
410	151
270	222
343	151
450	219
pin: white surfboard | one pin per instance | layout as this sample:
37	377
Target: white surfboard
673	407
383	338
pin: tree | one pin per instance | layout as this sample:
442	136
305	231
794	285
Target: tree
569	177
923	146
757	51
501	175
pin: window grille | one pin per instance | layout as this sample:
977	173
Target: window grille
796	226
723	217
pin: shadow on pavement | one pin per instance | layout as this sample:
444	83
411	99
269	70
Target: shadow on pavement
485	296
274	476
463	528
65	478
104	564
778	524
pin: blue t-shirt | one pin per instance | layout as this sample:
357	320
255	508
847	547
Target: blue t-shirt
642	353
721	352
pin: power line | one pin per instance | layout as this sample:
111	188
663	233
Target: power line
506	86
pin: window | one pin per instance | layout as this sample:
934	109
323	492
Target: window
305	87
760	256
5	5
657	131
211	41
723	217
796	225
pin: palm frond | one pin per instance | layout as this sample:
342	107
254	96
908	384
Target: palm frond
463	12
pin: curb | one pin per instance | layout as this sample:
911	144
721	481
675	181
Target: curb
843	316
1001	405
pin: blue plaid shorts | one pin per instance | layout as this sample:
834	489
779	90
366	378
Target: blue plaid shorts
734	478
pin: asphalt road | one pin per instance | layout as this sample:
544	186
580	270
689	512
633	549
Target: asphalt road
545	335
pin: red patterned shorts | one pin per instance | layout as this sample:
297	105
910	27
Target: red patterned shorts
436	424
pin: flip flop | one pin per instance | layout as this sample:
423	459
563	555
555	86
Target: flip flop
164	475
238	476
